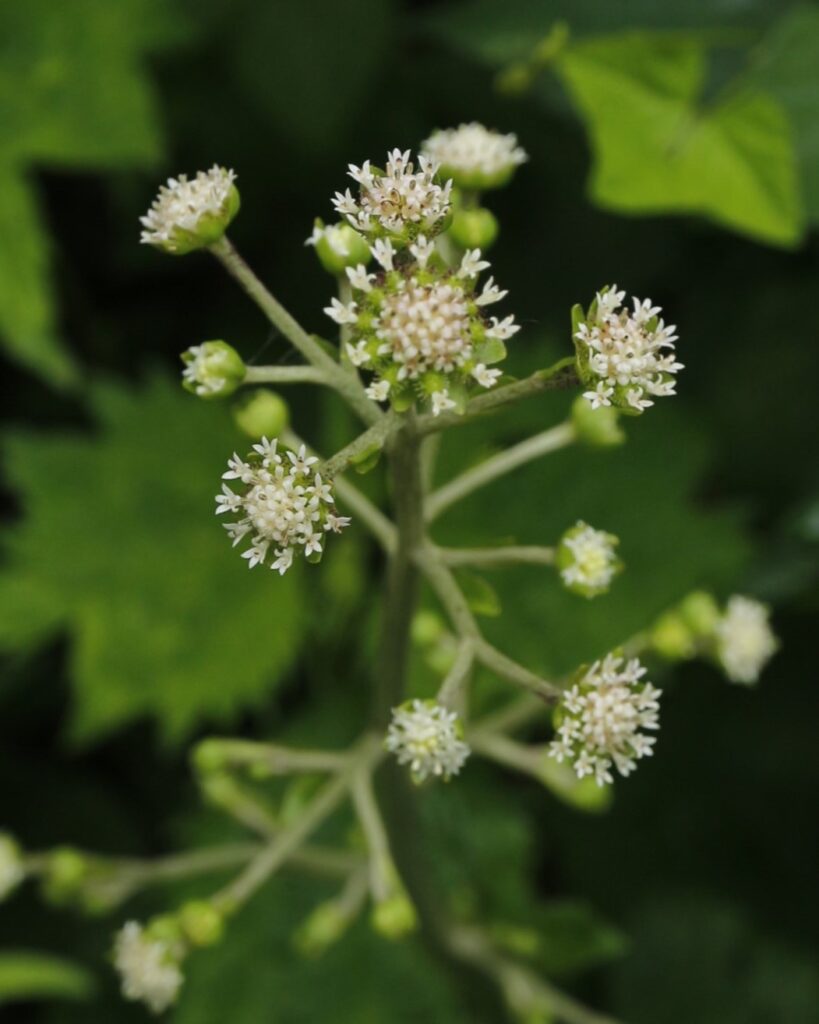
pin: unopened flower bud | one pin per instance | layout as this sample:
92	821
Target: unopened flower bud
338	246
65	873
700	613
213	369
598	428
395	916
201	923
322	929
671	637
12	871
474	228
261	413
586	559
191	214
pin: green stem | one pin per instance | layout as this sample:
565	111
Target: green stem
490	558
346	385
371	439
284	375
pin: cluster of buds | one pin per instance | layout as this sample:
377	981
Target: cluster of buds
191	213
285	508
586	559
474	157
623	356
213	369
426	736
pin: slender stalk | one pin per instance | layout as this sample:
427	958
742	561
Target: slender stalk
562	375
512	716
380	859
490	558
513	672
453	687
275	759
284	375
507	752
336	376
369	440
499	465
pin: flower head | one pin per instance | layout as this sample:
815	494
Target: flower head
624	356
284	506
586	559
427	737
400	202
191	213
601	717
745	640
213	369
12	872
149	968
473	156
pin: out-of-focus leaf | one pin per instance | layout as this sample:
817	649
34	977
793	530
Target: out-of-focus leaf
659	148
480	595
29	975
73	92
118	543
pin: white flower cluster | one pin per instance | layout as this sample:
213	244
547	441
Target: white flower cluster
149	969
474	156
12	872
427	737
626	356
587	560
212	370
400	201
745	640
602	716
286	506
178	212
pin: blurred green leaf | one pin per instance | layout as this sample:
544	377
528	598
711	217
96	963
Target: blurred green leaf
25	975
119	544
658	147
480	595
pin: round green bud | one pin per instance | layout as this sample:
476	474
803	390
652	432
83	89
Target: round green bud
65	873
213	369
599	428
324	927
12	871
671	637
202	924
164	928
701	613
394	917
208	756
475	228
339	246
427	628
261	413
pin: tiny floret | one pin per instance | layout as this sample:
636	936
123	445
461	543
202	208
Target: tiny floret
283	508
626	358
213	369
191	213
745	640
473	156
148	968
12	871
586	559
401	202
426	736
601	718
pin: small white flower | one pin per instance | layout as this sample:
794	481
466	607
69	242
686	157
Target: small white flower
336	523
427	737
341	313
587	560
603	716
358	354
502	329
630	356
359	278
383	253
149	969
315	236
177	213
441	402
422	249
378	391
12	871
485	377
490	293
472	264
300	460
474	155
745	640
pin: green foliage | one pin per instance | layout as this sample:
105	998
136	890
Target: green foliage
73	92
119	546
28	975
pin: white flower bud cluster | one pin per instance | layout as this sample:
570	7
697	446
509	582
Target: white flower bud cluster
149	969
286	506
586	559
745	640
625	357
212	370
189	213
400	201
473	156
602	717
427	737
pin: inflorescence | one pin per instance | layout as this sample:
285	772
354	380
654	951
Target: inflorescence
473	156
148	967
745	640
191	213
426	736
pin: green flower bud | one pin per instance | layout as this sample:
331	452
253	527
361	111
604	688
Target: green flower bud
201	923
65	874
165	928
672	638
213	369
586	560
474	228
599	428
208	756
338	246
322	929
700	613
261	413
188	215
12	871
395	916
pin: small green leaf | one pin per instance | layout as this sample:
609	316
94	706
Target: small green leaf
29	975
481	596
